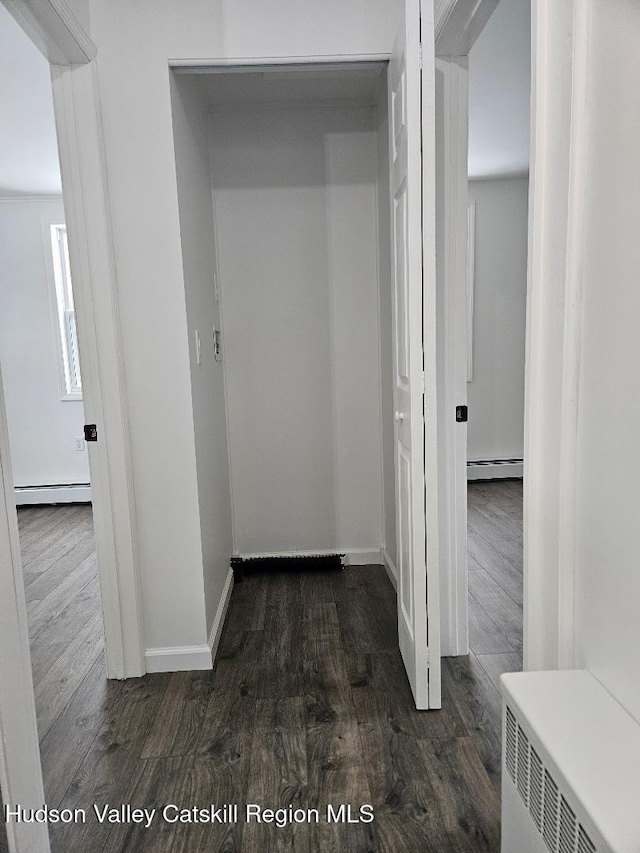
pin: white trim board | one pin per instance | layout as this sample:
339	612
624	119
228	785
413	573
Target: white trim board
225	65
390	569
221	615
494	469
352	556
187	658
458	23
178	658
59	494
18	198
87	216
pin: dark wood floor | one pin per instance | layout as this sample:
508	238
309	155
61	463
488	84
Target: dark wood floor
308	705
4	843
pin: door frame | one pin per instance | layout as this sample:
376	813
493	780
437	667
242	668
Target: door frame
559	54
458	23
53	27
55	30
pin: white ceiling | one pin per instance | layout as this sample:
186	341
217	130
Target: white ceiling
361	85
499	86
28	148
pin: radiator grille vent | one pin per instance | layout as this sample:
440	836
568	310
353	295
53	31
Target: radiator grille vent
522	773
585	844
568	828
511	744
536	787
550	811
550	815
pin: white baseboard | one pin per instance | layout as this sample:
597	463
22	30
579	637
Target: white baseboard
178	658
221	614
186	658
352	556
494	469
27	495
362	557
391	570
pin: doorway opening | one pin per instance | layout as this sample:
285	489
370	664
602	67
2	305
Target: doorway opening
45	417
499	86
283	189
306	340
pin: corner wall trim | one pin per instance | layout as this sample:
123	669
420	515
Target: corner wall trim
390	568
494	469
178	658
221	615
74	493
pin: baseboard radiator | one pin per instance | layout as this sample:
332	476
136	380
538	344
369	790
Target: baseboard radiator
242	566
570	766
58	493
494	469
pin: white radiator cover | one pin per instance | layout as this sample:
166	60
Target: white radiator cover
570	767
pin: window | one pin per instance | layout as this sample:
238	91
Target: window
72	382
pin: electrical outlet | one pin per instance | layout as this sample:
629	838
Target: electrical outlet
80	444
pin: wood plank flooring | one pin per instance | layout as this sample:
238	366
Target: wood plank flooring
4	842
495	575
307	706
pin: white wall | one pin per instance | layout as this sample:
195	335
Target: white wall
203	313
296	218
582	504
607	555
42	427
135	42
499	90
29	164
496	394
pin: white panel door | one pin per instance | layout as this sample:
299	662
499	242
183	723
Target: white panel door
412	238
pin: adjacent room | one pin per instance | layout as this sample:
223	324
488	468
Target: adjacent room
499	84
43	394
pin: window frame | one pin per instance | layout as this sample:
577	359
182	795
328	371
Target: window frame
62	309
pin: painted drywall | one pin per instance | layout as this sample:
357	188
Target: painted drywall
499	92
135	43
203	315
386	331
29	163
496	394
42	427
607	580
296	220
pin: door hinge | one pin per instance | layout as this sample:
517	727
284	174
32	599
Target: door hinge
420	54
424	382
462	414
90	432
428	658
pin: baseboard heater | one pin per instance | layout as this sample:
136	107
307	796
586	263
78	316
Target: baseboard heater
57	493
494	469
291	563
570	766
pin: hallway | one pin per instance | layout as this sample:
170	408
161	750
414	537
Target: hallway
308	705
